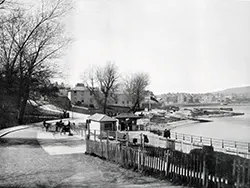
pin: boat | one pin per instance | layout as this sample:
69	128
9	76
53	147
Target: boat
201	120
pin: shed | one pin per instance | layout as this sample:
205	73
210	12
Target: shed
127	121
102	122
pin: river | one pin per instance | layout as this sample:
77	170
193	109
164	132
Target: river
235	128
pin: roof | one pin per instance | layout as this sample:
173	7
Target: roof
101	118
117	105
79	88
127	115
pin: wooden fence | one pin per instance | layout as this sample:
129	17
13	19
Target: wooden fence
200	168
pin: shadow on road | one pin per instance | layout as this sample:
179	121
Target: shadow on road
35	143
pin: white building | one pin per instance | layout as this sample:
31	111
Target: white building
80	95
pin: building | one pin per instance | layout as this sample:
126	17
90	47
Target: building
80	95
101	122
122	100
127	121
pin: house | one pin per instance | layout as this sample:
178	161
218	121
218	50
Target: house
122	99
80	95
127	121
101	122
114	109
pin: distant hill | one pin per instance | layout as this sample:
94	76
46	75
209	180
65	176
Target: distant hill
235	90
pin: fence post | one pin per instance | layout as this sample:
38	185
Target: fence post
141	140
88	132
107	145
200	138
248	147
204	182
139	161
238	169
101	143
85	134
127	139
94	135
191	138
211	141
175	136
232	180
222	143
166	163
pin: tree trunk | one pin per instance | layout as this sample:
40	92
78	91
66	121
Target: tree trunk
22	109
23	102
105	104
135	106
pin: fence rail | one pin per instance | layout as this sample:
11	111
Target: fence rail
227	146
198	169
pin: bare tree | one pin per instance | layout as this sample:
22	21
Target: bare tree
102	82
135	88
29	43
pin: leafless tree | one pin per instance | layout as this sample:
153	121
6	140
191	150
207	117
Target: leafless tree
135	88
28	44
102	82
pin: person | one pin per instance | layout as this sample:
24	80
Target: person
167	133
45	125
145	138
67	128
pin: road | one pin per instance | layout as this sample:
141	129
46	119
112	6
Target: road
33	158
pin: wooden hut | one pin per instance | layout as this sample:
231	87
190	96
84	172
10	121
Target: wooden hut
101	122
127	121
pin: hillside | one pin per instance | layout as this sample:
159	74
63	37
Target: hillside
235	90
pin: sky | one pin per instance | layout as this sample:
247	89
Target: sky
184	45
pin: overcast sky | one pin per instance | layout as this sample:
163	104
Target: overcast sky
185	46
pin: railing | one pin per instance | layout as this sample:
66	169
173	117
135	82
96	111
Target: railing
227	146
198	168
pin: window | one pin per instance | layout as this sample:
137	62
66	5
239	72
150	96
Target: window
107	127
123	102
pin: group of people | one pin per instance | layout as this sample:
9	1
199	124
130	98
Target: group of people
60	127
